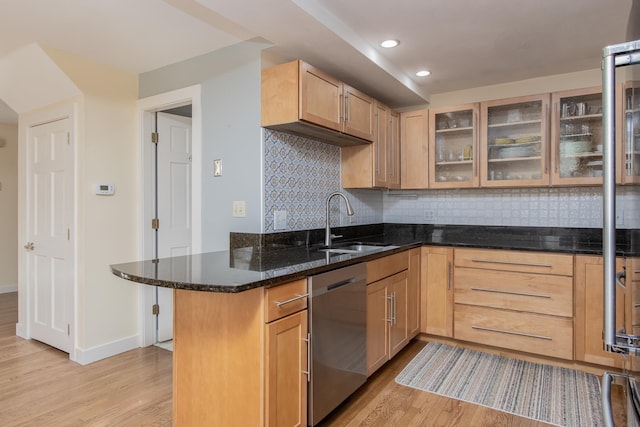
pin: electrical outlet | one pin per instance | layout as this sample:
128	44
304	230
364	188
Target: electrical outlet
239	209
429	215
280	220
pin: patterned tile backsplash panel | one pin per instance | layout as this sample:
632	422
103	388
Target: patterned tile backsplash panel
535	207
299	174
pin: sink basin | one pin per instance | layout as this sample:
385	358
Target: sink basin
356	248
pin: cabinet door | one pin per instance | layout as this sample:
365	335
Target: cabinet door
437	291
358	113
453	147
321	97
514	142
413	293
398	333
588	312
631	134
377	325
576	137
285	363
414	149
380	145
393	161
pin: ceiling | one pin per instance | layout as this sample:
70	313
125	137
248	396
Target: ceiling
463	43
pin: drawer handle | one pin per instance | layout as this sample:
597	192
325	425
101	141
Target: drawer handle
289	301
500	291
489	261
522	334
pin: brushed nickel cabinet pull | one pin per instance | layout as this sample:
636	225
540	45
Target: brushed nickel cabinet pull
524	294
501	331
308	344
449	275
390	318
525	264
294	299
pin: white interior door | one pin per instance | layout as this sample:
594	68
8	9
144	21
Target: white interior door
50	250
174	204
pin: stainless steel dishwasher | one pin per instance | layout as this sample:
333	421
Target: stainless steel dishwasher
337	322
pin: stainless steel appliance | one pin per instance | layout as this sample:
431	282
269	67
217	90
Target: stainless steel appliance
338	330
621	63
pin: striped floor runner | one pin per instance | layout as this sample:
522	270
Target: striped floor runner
559	396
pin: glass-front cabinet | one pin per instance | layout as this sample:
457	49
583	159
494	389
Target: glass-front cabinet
453	146
514	142
576	137
631	134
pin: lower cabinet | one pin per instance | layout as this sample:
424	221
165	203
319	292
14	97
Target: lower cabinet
517	300
437	291
240	359
392	306
589	319
285	362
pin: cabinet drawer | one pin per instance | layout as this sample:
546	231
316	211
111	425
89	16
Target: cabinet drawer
522	261
387	266
285	299
536	293
533	333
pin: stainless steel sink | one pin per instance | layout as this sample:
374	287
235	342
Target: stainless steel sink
356	248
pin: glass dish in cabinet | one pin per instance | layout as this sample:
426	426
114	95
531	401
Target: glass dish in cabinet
514	142
631	132
576	136
453	146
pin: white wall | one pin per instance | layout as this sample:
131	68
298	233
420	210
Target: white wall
9	208
107	228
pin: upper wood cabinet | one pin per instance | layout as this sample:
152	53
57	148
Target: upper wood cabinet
453	147
299	98
414	149
514	142
375	165
576	137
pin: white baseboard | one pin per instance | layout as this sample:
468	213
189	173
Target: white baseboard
21	331
86	356
11	287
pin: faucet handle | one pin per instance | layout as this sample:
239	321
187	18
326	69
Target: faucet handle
336	236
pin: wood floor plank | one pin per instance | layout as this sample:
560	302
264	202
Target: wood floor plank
39	386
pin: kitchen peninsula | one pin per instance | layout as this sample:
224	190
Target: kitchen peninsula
241	360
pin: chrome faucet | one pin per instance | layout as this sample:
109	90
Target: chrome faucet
327	231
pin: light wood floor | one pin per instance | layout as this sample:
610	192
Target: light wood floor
39	386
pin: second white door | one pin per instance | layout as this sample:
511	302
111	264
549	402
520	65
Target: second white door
174	205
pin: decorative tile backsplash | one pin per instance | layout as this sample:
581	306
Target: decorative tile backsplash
299	173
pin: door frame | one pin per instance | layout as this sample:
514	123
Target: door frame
67	110
146	107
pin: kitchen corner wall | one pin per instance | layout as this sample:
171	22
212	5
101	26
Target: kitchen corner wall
299	173
8	208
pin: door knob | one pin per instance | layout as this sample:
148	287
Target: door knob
29	246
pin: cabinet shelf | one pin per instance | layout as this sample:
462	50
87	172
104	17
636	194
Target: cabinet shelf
581	155
460	129
455	162
515	159
582	117
519	123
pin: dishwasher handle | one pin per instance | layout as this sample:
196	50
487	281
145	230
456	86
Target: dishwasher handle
342	283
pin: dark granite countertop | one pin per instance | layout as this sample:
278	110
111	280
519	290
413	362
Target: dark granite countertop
256	260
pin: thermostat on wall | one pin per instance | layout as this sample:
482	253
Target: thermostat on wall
104	189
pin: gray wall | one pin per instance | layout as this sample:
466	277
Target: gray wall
230	81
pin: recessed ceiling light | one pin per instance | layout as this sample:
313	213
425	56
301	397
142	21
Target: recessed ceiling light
390	43
423	73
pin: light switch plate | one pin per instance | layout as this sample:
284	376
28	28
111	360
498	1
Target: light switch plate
239	209
280	220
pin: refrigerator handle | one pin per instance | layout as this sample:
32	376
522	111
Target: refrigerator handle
607	410
609	196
